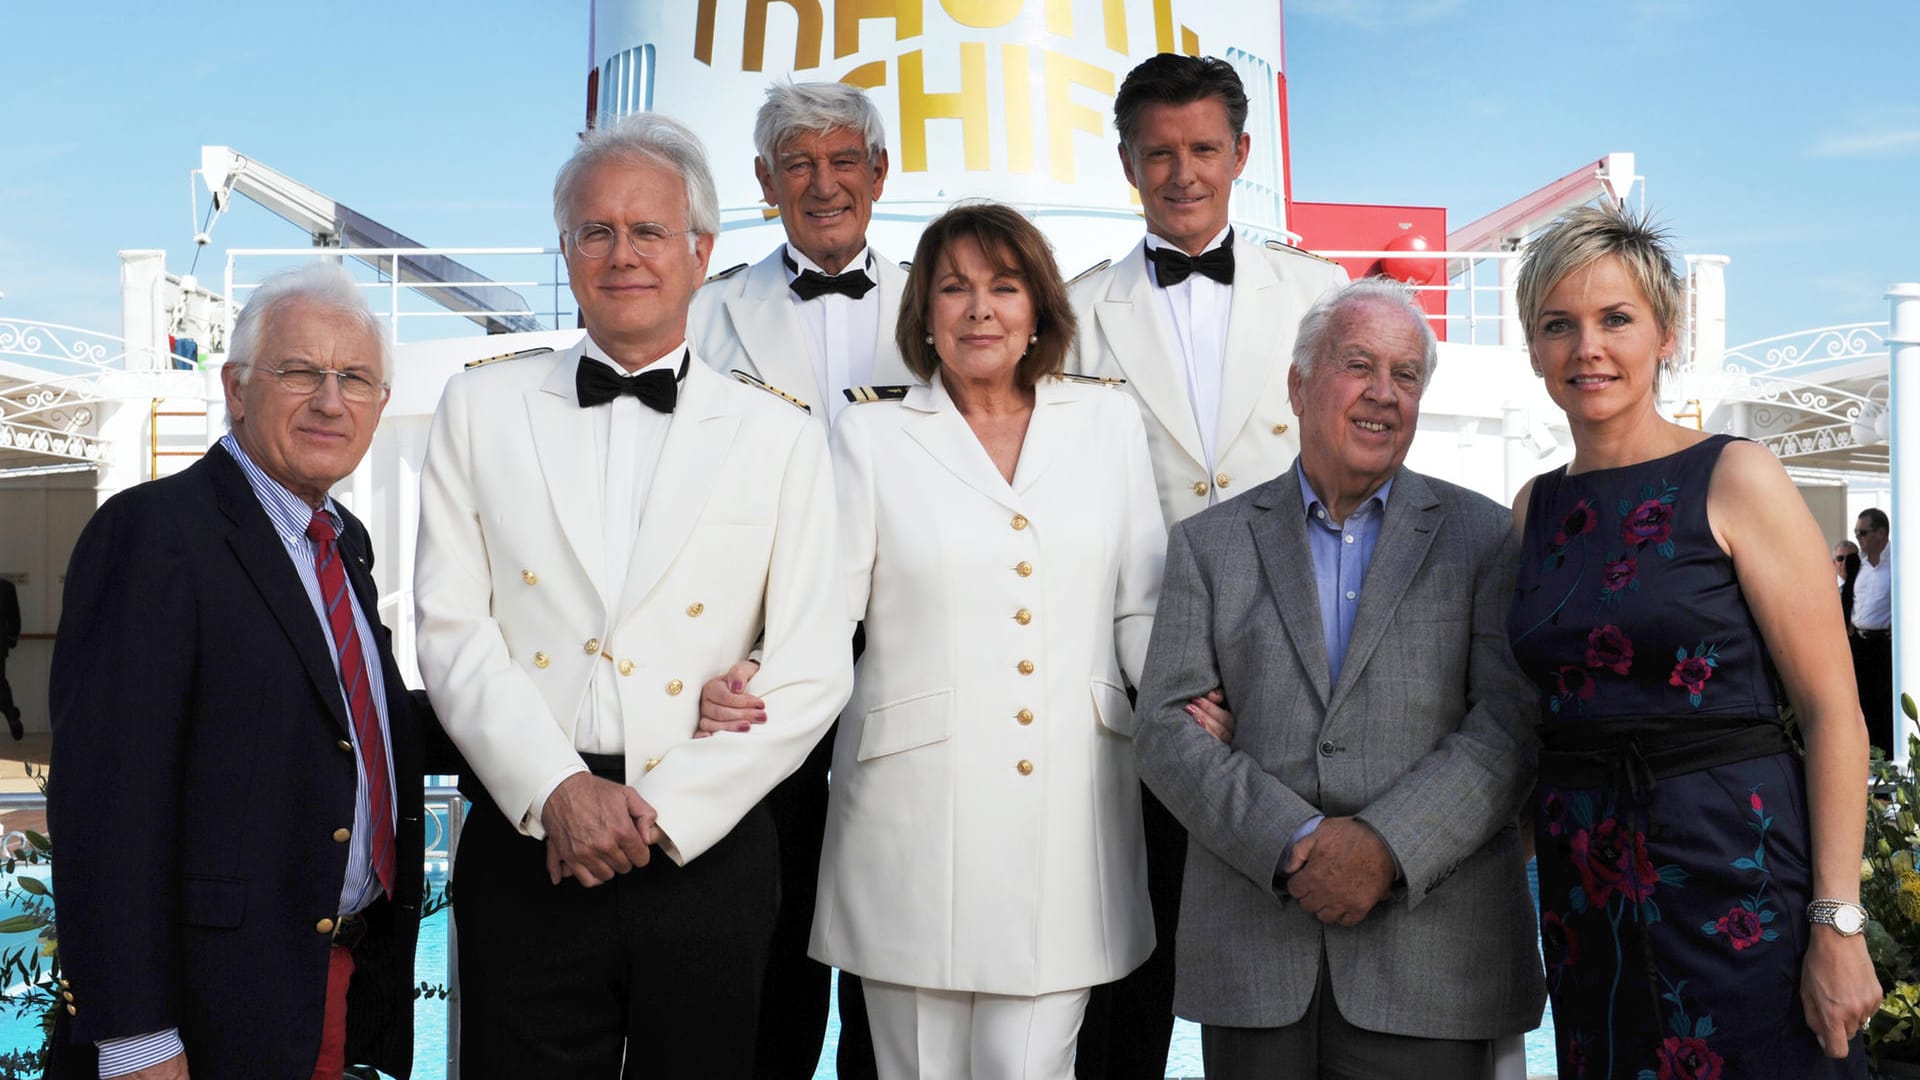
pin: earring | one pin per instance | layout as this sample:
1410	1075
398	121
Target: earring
1033	339
929	339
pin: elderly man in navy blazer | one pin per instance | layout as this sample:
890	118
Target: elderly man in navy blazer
236	768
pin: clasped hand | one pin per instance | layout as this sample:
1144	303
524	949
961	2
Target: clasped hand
1340	871
596	829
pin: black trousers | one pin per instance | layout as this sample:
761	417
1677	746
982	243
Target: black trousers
1323	1046
793	1007
1129	1023
8	709
1873	674
656	973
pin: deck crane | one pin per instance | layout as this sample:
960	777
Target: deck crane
229	173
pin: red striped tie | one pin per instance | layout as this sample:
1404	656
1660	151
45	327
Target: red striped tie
353	676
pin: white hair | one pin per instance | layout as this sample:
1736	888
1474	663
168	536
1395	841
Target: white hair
643	138
816	107
324	283
1312	339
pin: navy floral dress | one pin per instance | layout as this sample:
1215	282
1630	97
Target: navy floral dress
1671	821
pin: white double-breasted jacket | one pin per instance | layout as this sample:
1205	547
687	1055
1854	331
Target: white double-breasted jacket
1124	334
736	537
983	828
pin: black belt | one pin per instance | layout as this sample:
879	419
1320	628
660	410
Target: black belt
1640	753
1865	634
349	930
606	766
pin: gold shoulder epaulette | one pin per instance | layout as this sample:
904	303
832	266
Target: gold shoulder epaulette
1096	380
1089	272
1275	245
725	274
521	355
774	390
862	394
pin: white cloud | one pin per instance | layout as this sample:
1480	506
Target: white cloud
1869	144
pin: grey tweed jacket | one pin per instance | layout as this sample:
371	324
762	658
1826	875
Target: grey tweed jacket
1427	737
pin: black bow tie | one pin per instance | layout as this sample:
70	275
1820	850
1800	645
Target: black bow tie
811	283
1172	266
657	389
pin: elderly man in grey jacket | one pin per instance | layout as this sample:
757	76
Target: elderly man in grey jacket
1356	897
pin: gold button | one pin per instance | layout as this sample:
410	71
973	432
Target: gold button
651	762
71	1011
1025	767
1221	480
345	745
674	686
341	836
1025	569
529	577
1019	522
1026	667
1023	616
1025	716
66	995
1279	429
626	667
1199	487
694	609
540	660
324	926
592	646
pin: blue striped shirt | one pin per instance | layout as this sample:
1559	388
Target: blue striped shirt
289	515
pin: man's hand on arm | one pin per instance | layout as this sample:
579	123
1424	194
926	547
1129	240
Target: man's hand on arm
174	1068
725	704
595	829
1340	871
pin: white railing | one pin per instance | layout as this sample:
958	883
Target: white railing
52	415
1821	346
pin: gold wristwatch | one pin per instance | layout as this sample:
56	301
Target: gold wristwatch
1847	919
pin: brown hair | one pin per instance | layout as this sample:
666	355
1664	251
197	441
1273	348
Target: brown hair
1013	245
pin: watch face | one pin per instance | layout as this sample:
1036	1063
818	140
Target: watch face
1849	921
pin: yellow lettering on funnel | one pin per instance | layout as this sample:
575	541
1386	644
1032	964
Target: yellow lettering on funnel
1016	82
753	44
1064	115
983	13
968	105
847	15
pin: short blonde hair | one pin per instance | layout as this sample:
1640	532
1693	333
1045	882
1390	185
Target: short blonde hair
1583	236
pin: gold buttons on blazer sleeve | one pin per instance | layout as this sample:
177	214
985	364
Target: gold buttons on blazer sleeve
674	686
1026	667
529	577
1024	569
1025	767
1019	522
694	609
1025	716
341	836
626	667
1221	480
540	660
1199	487
324	926
1023	616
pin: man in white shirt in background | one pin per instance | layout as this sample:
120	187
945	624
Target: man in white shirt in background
1871	634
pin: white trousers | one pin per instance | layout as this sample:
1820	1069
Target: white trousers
921	1034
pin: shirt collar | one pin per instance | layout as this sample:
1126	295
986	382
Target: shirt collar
862	260
1218	239
671	355
1311	501
288	512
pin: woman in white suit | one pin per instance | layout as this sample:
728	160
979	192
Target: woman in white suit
1003	543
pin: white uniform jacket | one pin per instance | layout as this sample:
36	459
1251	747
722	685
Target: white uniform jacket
1124	334
983	826
746	322
737	534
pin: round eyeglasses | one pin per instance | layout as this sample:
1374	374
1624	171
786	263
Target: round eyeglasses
303	380
648	239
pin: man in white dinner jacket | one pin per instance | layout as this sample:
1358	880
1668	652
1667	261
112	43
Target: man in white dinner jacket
594	545
813	318
1200	322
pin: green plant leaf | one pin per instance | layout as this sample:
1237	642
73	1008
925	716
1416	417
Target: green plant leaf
19	924
34	885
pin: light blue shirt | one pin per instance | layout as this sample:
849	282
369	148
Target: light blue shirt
1341	551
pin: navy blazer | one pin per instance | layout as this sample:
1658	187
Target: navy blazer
200	769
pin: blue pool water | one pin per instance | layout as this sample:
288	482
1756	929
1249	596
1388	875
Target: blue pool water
430	1019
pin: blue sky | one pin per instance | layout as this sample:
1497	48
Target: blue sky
1784	135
